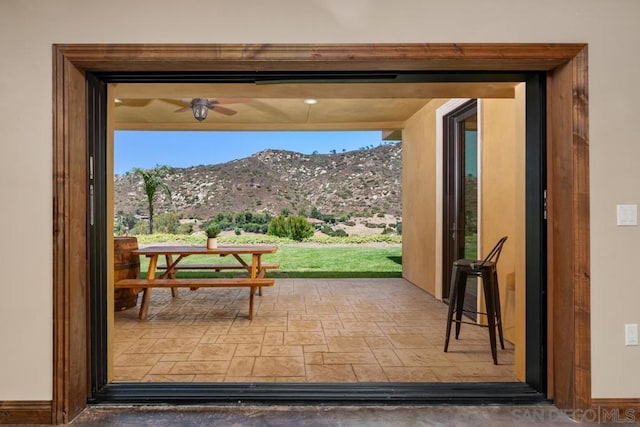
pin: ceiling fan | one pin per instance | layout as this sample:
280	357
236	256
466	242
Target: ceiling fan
200	106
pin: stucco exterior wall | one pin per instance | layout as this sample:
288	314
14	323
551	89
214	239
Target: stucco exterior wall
29	27
498	186
419	240
502	210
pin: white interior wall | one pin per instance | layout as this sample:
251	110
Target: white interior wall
28	28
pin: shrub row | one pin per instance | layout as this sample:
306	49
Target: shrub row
265	239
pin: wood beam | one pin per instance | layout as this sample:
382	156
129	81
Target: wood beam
321	57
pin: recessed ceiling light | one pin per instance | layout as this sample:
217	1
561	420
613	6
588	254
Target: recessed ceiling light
310	101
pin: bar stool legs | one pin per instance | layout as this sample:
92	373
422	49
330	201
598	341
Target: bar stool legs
453	295
496	302
491	293
488	285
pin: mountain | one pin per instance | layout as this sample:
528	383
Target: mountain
271	180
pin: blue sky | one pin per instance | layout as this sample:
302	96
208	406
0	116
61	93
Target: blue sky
146	149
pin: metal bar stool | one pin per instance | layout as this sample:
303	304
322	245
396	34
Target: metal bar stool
487	270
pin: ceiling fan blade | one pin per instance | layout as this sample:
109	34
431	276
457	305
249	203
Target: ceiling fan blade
180	110
223	110
132	102
179	102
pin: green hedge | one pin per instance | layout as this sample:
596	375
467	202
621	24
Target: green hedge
266	239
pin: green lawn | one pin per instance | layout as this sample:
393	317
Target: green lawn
316	262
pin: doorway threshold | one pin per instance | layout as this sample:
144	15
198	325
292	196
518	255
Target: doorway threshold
512	393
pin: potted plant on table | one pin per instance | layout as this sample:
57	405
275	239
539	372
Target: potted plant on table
212	232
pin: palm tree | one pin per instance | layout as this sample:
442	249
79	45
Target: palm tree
152	182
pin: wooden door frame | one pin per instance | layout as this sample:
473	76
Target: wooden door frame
568	171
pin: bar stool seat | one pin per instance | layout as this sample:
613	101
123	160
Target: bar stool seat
487	270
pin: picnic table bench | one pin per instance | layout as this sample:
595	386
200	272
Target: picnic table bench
168	279
193	284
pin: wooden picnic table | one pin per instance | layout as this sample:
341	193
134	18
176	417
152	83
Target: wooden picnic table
173	256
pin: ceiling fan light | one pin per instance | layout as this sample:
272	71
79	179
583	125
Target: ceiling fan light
200	107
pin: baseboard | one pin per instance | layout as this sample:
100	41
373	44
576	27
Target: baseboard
25	411
614	410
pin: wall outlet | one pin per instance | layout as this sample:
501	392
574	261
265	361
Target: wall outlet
631	334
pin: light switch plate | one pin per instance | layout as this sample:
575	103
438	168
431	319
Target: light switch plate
627	214
631	334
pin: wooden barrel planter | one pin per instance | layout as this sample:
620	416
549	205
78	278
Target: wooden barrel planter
127	266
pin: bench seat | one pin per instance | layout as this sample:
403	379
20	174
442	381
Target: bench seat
194	283
217	267
146	285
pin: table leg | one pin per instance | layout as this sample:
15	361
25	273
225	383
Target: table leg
241	262
144	306
146	296
261	273
171	273
252	291
256	269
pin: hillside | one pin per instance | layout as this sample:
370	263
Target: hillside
271	180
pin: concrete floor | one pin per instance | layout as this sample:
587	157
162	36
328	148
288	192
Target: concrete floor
303	331
281	416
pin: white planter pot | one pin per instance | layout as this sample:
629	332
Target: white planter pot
212	243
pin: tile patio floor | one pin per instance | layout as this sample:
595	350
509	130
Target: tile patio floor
304	330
